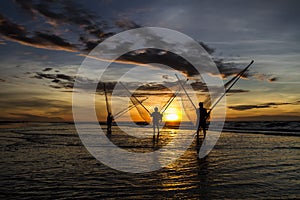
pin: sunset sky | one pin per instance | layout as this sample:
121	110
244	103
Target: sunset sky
42	45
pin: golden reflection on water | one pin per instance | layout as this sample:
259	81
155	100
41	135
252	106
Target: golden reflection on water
49	161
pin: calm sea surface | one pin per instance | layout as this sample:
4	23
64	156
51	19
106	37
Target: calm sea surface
48	161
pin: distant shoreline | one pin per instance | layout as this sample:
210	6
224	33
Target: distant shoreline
263	132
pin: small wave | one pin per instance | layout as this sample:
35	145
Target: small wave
265	132
290	128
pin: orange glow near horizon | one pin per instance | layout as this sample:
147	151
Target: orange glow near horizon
172	115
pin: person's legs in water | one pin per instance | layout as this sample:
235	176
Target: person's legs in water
204	130
153	130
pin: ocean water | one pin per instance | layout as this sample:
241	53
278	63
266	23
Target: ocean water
257	160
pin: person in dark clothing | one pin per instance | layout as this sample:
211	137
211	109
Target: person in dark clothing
156	119
202	116
109	121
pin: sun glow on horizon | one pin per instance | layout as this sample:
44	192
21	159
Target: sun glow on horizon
172	115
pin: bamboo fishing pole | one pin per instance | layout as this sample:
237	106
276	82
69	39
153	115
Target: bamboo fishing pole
165	107
185	91
135	98
119	114
236	78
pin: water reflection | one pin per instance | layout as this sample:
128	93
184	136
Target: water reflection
187	177
49	162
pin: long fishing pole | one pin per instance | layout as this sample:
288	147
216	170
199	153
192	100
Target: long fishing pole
165	107
119	114
185	91
231	80
135	98
239	74
236	78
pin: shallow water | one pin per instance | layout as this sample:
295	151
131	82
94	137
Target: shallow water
49	161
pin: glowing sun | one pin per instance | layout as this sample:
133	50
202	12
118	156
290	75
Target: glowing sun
171	117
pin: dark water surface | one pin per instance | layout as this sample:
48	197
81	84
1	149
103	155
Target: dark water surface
48	161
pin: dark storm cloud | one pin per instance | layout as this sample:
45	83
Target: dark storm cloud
47	69
228	69
140	89
207	48
17	33
165	76
162	57
55	76
237	91
144	94
177	62
145	90
58	81
265	105
59	12
44	38
199	86
89	29
273	79
152	87
126	24
202	87
264	77
63	81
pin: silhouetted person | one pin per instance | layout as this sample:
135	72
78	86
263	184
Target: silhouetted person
202	115
109	121
156	119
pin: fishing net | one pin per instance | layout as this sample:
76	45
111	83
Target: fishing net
143	112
